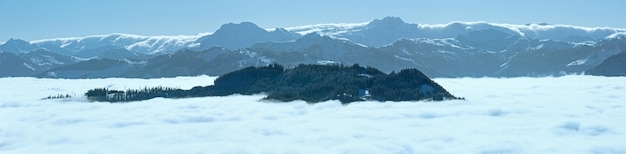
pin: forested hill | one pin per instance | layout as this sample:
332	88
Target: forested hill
311	83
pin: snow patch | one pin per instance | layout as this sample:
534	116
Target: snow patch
402	58
329	29
538	47
616	35
135	43
28	66
326	62
445	32
505	65
528	29
577	62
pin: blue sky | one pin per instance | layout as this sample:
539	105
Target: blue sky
40	19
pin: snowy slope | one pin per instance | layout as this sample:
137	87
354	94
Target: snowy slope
11	65
514	115
32	62
477	53
456	49
93	68
134	43
315	48
45	59
381	32
18	46
236	36
376	33
612	66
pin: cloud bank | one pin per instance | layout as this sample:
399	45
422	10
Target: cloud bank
514	115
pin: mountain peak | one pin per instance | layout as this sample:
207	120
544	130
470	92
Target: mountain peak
489	39
236	36
243	26
394	19
17	41
281	34
18	46
280	30
538	23
314	36
619	35
381	32
387	21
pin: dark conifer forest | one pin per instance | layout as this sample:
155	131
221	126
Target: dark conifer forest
311	83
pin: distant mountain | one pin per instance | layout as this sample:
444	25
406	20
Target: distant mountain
317	49
614	65
58	49
181	63
231	36
382	32
110	52
133	43
18	46
489	39
476	54
457	49
540	61
31	63
44	59
605	49
444	57
236	36
377	33
94	68
12	65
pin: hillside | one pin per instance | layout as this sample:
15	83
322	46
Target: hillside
456	49
612	66
311	83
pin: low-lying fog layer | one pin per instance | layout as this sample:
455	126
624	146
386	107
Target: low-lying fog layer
571	114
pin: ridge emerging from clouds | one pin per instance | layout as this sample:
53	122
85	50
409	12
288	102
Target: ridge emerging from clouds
339	28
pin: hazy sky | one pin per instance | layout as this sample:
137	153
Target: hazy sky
39	19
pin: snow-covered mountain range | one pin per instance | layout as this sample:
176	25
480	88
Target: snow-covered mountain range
456	49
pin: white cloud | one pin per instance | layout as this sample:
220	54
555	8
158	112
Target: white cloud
327	29
534	31
136	43
159	44
516	115
617	35
124	36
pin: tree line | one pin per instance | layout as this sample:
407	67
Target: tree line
309	82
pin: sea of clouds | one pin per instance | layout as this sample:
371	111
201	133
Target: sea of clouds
570	114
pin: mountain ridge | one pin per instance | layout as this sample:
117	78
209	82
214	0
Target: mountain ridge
337	29
236	36
456	49
435	57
